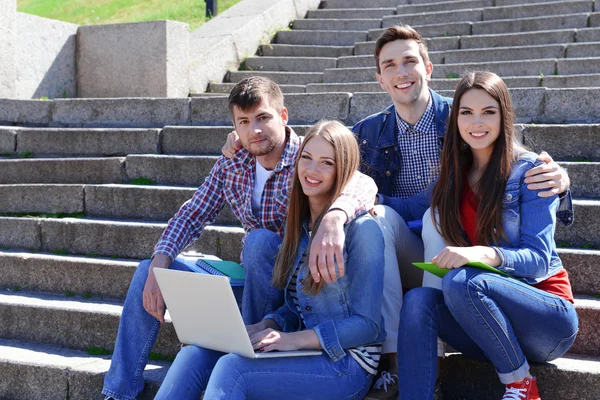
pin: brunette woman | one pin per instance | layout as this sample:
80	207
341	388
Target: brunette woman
483	211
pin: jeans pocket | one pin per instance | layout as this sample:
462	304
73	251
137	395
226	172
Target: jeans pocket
562	347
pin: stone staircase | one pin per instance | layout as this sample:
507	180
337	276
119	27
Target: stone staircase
86	186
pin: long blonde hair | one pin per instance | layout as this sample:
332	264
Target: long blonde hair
347	159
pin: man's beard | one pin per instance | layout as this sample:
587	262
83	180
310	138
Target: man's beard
262	152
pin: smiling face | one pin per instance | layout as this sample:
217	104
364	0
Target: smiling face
317	170
404	74
479	121
262	131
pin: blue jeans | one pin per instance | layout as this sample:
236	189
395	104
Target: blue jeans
136	336
138	329
228	376
260	297
483	315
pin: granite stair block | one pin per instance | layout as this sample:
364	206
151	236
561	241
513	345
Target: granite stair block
62	170
298	50
40	371
87	142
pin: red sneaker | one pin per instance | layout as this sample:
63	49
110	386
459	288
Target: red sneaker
525	390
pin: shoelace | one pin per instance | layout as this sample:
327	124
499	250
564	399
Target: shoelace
385	380
515	394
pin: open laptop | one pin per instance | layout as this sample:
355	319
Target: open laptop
204	312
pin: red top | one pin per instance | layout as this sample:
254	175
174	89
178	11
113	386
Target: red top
557	284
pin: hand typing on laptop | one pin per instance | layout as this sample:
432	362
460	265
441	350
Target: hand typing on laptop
273	340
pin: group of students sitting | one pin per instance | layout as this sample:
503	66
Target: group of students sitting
302	293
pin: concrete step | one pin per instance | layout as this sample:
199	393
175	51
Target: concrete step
41	198
86	142
538	105
304	108
62	170
80	324
108	238
513	53
281	78
584	231
553	81
582	265
78	275
348	13
361	3
558	36
353	24
293	64
194	140
34	371
75	323
460	38
436	17
157	203
294	50
456	24
579	20
442	6
571	377
225	88
583	143
320	38
537	10
87	276
507	13
434	44
585	178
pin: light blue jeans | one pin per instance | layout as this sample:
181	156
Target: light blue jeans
228	376
138	329
483	315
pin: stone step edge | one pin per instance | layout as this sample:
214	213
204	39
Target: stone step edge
77	370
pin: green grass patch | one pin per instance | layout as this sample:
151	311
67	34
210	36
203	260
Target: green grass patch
597	295
97	351
159	357
452	76
68	293
142	180
93	12
581	159
87	294
92	255
562	245
44	215
61	252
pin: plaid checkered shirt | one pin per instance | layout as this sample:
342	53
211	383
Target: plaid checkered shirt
231	181
420	151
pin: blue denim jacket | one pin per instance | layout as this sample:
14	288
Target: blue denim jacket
346	313
529	221
381	160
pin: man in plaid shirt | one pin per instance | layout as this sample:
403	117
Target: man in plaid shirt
256	185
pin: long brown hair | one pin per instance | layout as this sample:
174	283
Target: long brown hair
347	158
457	158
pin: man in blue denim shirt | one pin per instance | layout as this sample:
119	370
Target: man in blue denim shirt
400	150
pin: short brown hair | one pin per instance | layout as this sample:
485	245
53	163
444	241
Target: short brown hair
403	32
248	93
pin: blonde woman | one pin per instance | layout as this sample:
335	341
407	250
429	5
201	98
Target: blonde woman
342	318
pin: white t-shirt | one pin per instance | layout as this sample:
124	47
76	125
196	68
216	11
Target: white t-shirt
260	178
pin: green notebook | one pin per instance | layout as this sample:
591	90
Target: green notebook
440	272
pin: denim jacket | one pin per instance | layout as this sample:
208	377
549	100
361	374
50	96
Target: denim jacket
381	159
346	313
529	221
